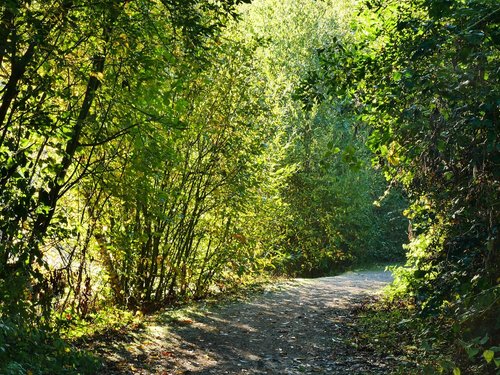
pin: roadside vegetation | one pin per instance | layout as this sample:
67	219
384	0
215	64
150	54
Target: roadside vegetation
156	152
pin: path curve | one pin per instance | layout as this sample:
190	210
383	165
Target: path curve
300	327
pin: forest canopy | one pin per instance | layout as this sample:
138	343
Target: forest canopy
158	151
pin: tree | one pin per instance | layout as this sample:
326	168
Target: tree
330	223
66	66
425	82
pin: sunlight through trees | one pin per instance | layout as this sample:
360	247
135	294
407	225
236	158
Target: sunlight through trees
154	152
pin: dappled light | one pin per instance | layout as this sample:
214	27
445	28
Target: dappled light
294	327
185	184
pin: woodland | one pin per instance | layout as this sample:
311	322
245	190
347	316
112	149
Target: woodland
158	152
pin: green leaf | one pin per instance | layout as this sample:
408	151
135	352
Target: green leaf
474	37
484	340
471	352
456	371
397	76
488	355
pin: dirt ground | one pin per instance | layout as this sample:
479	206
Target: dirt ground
298	327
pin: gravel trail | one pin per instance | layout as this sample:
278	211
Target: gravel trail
299	327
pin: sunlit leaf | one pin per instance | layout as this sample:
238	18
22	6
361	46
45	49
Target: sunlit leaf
488	355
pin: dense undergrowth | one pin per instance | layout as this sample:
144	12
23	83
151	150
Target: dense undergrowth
25	349
424	78
423	344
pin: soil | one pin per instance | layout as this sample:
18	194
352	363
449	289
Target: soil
304	326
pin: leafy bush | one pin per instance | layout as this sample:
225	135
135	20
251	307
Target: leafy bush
422	345
28	350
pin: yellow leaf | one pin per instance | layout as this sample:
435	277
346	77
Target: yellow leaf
97	75
456	371
489	355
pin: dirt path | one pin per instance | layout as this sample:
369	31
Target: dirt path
301	327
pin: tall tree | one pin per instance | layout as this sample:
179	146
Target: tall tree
65	66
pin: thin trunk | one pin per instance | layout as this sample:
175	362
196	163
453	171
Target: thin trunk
18	70
49	198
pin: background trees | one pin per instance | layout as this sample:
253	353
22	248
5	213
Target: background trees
332	220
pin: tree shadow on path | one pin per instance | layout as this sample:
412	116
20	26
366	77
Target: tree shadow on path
304	327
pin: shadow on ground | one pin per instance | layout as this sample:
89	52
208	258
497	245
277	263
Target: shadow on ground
304	327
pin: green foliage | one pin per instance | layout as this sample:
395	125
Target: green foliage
423	76
73	327
330	218
183	192
30	350
93	93
422	346
70	72
439	132
332	201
